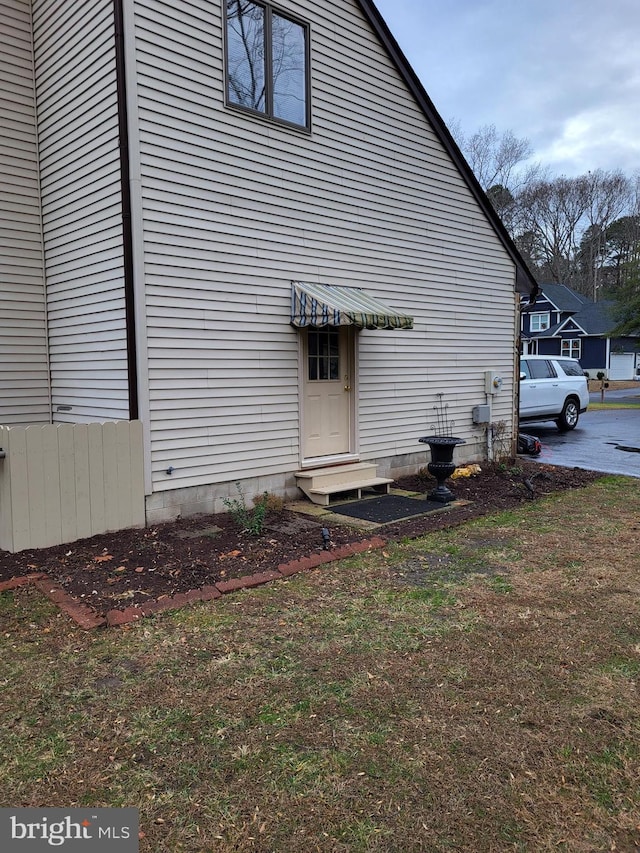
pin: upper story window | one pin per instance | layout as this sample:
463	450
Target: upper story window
539	322
267	62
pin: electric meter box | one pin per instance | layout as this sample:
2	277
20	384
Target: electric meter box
492	382
481	414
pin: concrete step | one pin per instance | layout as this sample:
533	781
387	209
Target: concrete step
337	474
321	484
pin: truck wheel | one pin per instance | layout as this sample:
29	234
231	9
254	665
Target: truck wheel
569	416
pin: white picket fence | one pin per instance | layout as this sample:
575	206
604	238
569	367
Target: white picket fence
62	482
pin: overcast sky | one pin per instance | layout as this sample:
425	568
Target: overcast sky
565	74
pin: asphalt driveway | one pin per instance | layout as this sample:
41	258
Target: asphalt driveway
606	440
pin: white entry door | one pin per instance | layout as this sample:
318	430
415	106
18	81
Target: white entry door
327	392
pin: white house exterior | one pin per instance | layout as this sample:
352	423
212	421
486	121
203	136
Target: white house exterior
152	228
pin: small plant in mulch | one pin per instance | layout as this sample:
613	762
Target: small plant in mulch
275	504
424	476
250	520
500	439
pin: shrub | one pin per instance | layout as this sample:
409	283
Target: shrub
274	503
249	520
423	474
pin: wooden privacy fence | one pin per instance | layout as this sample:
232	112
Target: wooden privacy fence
62	482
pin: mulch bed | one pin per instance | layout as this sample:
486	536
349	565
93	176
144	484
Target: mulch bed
127	568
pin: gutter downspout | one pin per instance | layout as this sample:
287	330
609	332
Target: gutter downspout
133	226
127	235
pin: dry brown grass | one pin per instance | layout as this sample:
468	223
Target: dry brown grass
473	690
614	385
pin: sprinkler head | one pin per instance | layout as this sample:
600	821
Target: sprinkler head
326	538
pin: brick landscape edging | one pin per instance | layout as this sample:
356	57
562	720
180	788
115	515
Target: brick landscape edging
86	618
82	614
15	582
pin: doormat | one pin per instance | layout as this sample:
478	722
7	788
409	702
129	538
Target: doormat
387	508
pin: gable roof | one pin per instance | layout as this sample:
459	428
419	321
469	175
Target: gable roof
596	317
586	316
525	282
563	297
592	318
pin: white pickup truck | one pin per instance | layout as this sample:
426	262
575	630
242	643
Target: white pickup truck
552	388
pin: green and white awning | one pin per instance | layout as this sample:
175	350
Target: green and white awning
322	305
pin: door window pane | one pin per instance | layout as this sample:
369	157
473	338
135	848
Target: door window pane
323	354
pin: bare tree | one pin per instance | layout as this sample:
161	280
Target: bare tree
500	162
495	157
579	231
550	213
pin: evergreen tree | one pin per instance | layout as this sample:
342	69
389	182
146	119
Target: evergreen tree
627	303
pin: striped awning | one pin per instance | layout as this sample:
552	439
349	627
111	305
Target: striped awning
335	305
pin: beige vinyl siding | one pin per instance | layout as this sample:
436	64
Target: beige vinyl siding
236	207
24	384
82	209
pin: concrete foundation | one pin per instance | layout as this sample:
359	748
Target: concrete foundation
207	500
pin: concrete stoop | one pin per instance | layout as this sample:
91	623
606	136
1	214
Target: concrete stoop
320	485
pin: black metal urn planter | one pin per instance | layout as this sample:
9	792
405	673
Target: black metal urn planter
442	444
441	465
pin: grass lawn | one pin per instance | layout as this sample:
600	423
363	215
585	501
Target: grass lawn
596	407
473	690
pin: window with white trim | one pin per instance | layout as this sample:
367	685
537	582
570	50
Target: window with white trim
539	322
571	348
267	56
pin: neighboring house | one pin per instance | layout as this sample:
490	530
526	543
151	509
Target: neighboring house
563	322
273	267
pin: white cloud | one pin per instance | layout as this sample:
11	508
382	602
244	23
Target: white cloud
564	75
604	137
